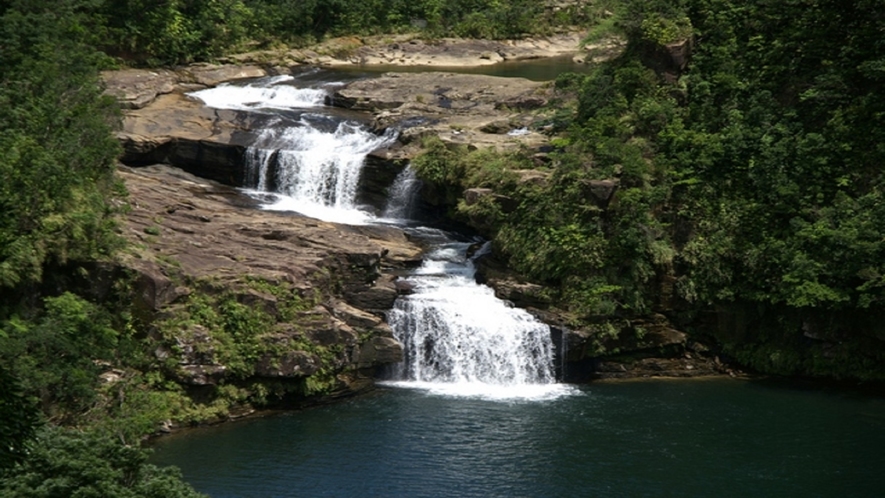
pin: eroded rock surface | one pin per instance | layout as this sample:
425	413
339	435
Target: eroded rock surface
469	109
195	241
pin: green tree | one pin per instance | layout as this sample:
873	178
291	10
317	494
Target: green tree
57	152
66	462
18	421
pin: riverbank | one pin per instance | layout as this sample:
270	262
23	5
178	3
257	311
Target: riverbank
412	50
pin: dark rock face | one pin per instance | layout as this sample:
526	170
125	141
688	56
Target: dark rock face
379	173
380	350
291	364
602	191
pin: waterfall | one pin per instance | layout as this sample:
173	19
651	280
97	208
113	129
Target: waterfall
311	164
403	191
460	339
313	172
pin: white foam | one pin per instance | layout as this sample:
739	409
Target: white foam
490	392
319	211
262	94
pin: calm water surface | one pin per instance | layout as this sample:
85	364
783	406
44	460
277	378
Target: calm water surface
717	438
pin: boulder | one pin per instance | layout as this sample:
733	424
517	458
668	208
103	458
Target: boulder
355	317
152	288
213	75
136	88
602	191
380	351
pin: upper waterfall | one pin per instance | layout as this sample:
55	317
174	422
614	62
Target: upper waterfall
311	164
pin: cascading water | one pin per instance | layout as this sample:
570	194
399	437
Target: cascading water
403	192
312	165
316	172
270	93
459	338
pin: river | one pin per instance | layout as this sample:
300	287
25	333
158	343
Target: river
475	410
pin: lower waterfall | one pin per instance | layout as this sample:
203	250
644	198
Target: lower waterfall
461	340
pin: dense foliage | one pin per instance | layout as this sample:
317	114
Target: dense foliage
177	31
58	197
747	143
19	416
57	153
65	462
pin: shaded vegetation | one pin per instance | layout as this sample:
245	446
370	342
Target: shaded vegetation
66	462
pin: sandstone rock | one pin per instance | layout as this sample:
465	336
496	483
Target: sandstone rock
474	195
200	375
405	50
380	351
194	346
338	333
532	177
521	294
213	75
152	288
377	297
355	317
136	88
602	191
252	298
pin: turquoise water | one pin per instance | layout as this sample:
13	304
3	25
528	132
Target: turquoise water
718	438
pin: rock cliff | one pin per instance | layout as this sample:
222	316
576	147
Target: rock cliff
310	295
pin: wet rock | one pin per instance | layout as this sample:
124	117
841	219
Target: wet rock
404	287
380	351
